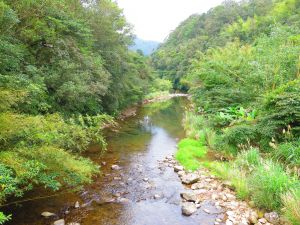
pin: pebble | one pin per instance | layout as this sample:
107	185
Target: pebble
59	222
47	214
178	168
115	167
77	205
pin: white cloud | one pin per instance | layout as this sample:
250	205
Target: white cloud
155	19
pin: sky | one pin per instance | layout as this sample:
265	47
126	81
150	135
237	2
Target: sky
155	19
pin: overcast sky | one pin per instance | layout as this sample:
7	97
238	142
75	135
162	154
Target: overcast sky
154	19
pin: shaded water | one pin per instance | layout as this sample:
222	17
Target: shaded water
138	145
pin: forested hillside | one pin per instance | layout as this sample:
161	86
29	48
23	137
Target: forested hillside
231	21
64	67
240	61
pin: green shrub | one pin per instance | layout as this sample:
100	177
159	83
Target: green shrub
288	153
267	183
291	202
281	112
189	152
240	134
42	150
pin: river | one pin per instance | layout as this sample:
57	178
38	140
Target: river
143	192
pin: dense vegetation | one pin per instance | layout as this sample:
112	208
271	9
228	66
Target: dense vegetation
64	68
241	63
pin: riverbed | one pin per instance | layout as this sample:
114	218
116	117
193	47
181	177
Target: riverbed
141	192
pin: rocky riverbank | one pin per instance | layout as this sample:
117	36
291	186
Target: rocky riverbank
201	188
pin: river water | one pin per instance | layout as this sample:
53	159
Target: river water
126	196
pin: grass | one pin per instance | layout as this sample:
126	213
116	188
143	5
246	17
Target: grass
291	202
236	177
249	159
288	153
267	183
189	152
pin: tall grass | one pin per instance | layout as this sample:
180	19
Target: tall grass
249	159
288	153
235	176
267	183
291	202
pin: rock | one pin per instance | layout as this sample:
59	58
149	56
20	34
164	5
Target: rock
188	208
230	197
123	200
189	196
197	186
272	217
104	163
59	222
207	211
73	223
169	157
253	218
117	194
115	167
157	196
47	214
262	220
251	204
218	220
117	178
214	196
230	213
229	185
146	179
181	173
229	222
190	178
178	168
77	205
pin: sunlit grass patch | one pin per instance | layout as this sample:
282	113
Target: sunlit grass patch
189	152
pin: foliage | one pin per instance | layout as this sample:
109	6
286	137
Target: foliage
291	201
288	153
64	66
189	152
235	176
248	159
4	218
240	63
267	183
243	20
